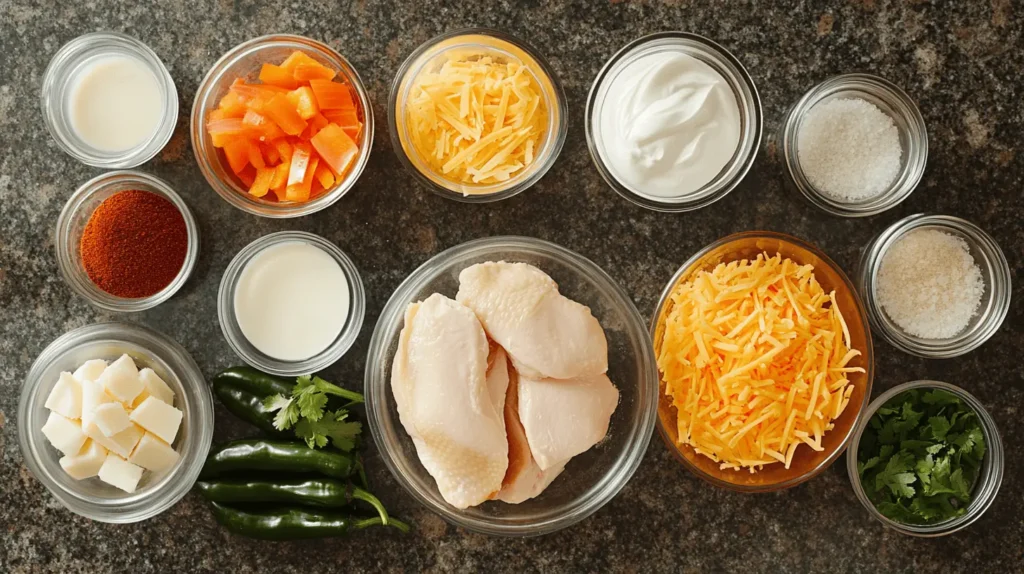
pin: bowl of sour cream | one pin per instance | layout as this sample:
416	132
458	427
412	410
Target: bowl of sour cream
673	122
109	101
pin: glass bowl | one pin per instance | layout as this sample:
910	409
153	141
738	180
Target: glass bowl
244	61
74	217
499	45
895	103
60	77
591	479
806	463
995	301
723	62
92	498
985	488
246	350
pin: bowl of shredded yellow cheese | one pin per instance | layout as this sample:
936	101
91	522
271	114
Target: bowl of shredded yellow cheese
765	361
477	115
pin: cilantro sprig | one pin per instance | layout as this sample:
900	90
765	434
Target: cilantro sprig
306	412
920	455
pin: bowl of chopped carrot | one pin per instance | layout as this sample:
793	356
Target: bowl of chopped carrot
282	126
765	362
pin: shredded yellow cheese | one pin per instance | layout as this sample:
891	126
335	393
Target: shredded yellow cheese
754	357
476	120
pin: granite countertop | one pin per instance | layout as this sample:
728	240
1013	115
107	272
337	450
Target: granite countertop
963	62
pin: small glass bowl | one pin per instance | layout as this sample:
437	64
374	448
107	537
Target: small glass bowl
246	350
60	76
430	56
995	301
74	217
591	479
245	61
157	491
895	103
806	463
985	488
723	62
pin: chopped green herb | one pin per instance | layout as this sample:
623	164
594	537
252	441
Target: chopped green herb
920	455
306	411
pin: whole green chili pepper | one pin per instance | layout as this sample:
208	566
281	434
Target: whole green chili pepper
293	523
277	455
324	492
254	382
248	407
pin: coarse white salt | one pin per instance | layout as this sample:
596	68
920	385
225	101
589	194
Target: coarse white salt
849	149
929	284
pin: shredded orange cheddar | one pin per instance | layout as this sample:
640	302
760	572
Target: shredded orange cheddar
754	356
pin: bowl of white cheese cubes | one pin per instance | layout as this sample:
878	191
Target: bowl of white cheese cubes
115	420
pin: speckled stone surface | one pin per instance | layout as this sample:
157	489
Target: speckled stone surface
962	61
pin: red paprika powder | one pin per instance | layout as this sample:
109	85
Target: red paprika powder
134	244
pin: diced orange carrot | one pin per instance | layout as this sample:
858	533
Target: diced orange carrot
261	127
332	95
324	176
247	176
297	57
237	153
277	76
304	72
304	102
280	180
336	148
301	191
284	114
316	123
261	184
271	154
301	154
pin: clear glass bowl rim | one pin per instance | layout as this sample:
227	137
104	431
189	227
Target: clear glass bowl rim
89	291
375	387
993	463
229	325
201	141
515	185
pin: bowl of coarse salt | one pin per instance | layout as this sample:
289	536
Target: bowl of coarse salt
855	145
935	286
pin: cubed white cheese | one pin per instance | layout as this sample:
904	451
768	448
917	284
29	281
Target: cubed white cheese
140	399
121	444
158	418
118	472
90	370
121	380
93	396
66	397
155	386
111	418
87	462
153	454
64	434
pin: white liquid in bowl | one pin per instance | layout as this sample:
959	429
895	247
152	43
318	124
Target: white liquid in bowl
115	103
292	301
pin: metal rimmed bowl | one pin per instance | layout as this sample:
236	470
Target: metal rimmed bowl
995	300
75	216
806	463
986	487
158	491
245	61
591	479
502	47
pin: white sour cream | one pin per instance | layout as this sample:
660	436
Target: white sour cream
668	125
115	103
292	301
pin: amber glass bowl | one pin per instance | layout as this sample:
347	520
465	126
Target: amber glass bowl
806	462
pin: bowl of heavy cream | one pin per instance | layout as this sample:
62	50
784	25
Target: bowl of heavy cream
673	122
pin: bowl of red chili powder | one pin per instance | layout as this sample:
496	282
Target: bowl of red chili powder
126	241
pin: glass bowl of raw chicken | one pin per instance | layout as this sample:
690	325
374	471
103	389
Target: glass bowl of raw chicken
511	386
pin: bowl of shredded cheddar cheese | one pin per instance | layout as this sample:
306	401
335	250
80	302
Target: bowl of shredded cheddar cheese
765	361
477	115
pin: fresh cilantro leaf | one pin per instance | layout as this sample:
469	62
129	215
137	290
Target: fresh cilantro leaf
863	466
305	412
939	397
961	489
333	426
939	427
287	411
311	402
924	470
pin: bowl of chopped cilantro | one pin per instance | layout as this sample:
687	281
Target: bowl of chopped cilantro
927	460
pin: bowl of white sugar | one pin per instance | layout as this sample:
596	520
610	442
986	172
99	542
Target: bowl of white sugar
935	286
855	145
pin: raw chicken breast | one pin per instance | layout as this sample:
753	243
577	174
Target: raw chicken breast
439	379
497	379
563	418
546	334
523	479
